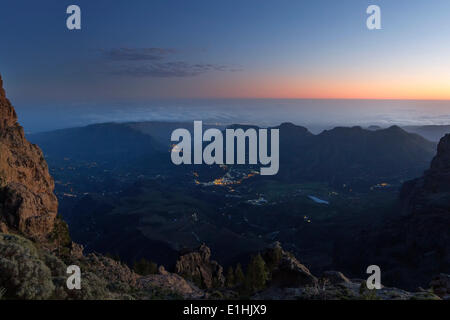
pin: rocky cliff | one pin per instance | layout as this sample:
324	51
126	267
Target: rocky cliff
198	266
414	247
35	247
286	270
27	202
426	203
432	191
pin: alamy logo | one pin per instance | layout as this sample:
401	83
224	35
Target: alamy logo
235	142
73	22
374	20
374	281
74	280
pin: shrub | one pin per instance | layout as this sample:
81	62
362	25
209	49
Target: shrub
230	278
367	294
145	267
61	237
239	277
257	274
22	273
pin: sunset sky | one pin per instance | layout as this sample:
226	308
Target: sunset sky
141	50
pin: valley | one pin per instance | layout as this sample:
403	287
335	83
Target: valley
130	201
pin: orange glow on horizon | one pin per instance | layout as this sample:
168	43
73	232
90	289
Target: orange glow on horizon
426	85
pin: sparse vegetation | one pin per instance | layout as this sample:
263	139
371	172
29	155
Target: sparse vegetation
23	274
239	277
30	272
61	237
257	274
230	278
367	294
145	267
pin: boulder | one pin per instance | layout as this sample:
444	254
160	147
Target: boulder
287	271
198	267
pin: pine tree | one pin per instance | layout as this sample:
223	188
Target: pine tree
230	278
257	274
145	267
273	259
239	277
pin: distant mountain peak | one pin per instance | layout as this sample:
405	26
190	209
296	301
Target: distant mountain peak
344	131
395	128
289	126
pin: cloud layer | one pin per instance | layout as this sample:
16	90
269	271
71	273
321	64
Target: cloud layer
154	62
137	54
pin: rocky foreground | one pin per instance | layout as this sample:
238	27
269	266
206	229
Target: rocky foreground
36	249
29	271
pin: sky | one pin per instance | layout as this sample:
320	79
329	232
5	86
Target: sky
142	50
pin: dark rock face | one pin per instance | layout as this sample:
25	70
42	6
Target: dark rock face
198	267
27	202
432	191
291	273
414	247
427	206
441	286
438	177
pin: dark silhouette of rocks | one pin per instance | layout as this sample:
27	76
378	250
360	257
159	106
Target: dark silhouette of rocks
426	204
441	286
291	280
198	267
286	270
414	247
